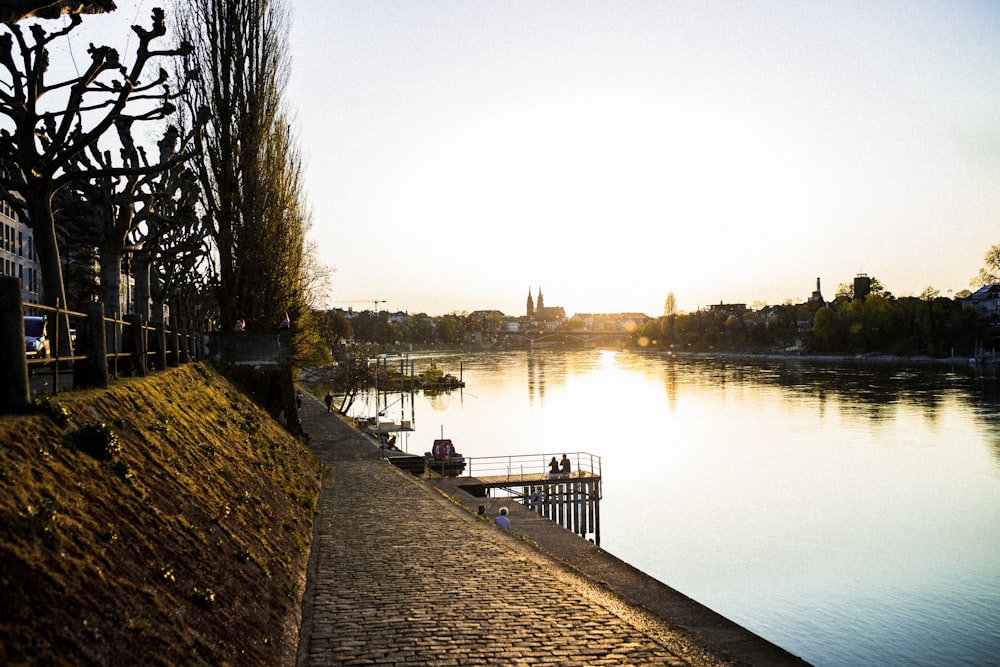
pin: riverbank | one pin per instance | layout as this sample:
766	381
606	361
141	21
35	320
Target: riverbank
164	520
404	571
872	358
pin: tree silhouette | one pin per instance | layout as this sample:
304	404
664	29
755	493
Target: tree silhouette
18	10
47	128
250	167
990	273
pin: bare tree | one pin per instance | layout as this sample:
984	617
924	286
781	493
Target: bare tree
108	210
41	143
18	10
168	242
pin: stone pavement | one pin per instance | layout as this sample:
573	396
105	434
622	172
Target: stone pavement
401	574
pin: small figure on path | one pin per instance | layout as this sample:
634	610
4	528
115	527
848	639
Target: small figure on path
502	519
553	466
241	326
564	465
328	400
298	399
285	323
481	511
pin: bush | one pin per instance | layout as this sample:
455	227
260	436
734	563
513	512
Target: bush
98	441
48	404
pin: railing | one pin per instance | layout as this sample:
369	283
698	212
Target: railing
532	464
158	346
87	345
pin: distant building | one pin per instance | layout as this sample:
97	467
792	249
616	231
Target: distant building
986	300
733	309
817	296
541	313
862	286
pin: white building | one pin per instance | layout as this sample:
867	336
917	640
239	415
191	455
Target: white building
19	257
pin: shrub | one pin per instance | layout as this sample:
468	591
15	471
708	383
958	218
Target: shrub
98	441
47	404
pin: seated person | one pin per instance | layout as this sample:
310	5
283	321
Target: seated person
564	465
553	466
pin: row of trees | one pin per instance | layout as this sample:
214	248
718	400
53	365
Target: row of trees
930	324
877	323
179	166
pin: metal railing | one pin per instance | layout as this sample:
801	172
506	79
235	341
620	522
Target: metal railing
532	464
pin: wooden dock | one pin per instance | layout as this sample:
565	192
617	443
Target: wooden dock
571	500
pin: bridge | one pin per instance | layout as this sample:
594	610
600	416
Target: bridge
568	338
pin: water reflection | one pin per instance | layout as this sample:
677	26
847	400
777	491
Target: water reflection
832	508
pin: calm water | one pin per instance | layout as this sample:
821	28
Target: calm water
848	513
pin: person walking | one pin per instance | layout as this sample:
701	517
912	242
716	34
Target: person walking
328	400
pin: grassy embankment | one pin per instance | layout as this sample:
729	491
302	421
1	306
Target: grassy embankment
166	520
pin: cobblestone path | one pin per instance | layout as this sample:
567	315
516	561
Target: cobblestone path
402	576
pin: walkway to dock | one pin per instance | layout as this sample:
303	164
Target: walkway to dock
403	574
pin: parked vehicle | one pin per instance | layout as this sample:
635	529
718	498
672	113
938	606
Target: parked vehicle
36	340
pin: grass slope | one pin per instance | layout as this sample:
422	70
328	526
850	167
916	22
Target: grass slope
187	546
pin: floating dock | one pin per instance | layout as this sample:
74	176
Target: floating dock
573	500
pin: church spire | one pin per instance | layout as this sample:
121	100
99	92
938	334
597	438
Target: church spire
531	304
541	299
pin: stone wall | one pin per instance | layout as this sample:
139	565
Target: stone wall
261	364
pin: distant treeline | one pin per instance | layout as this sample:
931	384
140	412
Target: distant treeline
935	327
878	323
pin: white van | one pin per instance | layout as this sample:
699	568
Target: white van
36	341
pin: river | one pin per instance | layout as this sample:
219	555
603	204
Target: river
848	512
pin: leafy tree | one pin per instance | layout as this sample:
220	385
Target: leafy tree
670	305
990	273
250	168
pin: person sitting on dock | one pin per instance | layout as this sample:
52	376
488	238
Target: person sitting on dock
502	519
564	466
553	466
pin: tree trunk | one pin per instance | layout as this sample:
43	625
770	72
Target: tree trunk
140	271
53	290
111	279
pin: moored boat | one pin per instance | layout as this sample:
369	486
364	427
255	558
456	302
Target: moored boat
443	460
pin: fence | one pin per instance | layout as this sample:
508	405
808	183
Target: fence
87	345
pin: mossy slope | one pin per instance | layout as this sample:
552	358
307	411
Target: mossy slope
189	546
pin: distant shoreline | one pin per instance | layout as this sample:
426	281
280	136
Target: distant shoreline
875	358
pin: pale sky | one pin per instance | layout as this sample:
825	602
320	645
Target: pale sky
611	152
459	153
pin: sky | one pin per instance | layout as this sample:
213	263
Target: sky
459	154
